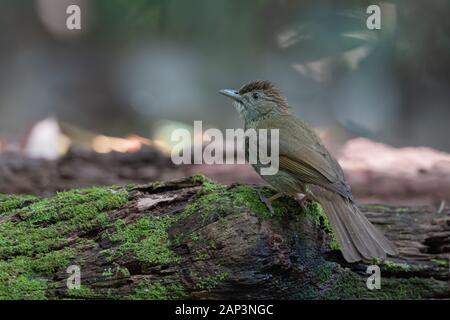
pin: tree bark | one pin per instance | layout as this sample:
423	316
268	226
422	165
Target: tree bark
195	239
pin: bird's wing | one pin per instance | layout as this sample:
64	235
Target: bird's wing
303	155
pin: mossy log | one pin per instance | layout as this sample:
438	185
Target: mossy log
196	239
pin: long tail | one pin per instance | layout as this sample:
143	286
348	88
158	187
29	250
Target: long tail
357	237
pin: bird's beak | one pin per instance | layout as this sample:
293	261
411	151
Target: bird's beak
233	94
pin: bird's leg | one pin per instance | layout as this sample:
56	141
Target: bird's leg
275	197
301	199
268	201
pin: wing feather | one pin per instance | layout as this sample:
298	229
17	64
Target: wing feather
303	155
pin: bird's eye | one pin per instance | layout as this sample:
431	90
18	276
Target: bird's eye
255	96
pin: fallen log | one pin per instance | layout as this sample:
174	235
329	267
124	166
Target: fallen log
196	239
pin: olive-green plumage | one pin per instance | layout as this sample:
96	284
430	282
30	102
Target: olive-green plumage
306	166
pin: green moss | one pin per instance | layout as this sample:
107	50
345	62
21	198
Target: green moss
10	203
18	238
200	246
53	261
407	288
210	282
79	206
29	246
23	287
216	199
157	291
316	213
247	197
393	266
207	184
15	272
82	293
346	285
116	271
45	223
208	201
331	282
18	278
324	273
147	238
441	262
108	273
201	255
14	267
195	236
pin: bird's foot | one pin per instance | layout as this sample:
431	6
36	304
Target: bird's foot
301	200
268	201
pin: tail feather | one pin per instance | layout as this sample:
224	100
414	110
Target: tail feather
387	246
349	251
357	237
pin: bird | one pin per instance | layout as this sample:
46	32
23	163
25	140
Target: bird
307	170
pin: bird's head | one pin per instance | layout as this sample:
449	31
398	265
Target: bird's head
257	100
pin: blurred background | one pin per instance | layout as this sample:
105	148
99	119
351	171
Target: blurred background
143	67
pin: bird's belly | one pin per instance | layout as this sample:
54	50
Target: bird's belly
282	181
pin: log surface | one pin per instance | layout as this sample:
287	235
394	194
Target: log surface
195	239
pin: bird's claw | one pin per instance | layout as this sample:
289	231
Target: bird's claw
266	201
301	200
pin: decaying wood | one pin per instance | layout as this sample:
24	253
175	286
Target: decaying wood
220	247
